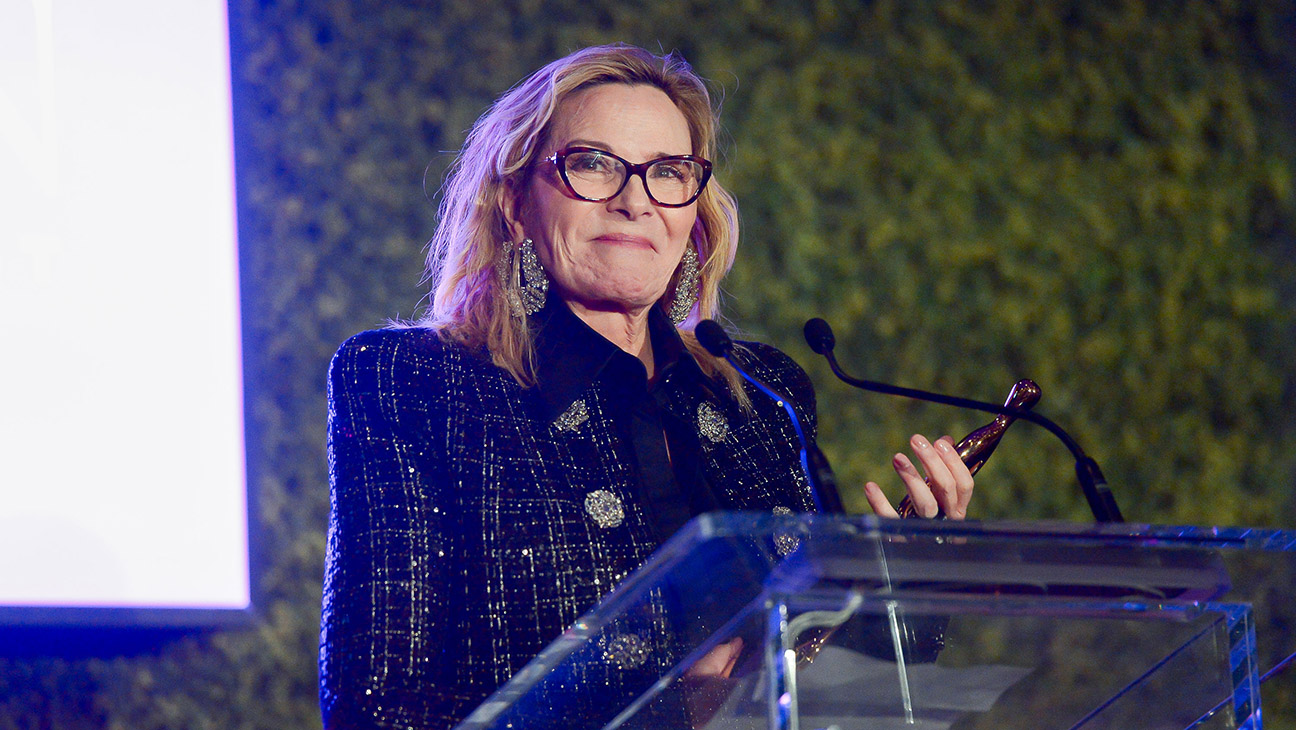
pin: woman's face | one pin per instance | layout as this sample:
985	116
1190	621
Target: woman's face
617	255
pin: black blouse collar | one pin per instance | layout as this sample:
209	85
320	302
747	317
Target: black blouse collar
570	355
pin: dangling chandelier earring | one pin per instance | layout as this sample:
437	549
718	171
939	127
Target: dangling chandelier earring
521	278
686	287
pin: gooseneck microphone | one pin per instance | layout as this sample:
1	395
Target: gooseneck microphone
819	336
823	483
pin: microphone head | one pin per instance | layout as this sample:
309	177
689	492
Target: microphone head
713	337
819	336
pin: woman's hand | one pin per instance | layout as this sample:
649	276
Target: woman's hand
719	662
707	685
947	487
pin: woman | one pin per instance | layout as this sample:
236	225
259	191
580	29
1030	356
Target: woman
551	421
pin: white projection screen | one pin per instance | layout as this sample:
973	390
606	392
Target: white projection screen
122	472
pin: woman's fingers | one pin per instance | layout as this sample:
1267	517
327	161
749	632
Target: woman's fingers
940	479
942	485
719	662
735	649
959	491
878	502
919	493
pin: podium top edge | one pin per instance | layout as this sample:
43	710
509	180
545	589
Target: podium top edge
728	524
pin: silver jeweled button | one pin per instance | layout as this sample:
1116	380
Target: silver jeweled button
572	418
626	651
604	508
711	423
785	542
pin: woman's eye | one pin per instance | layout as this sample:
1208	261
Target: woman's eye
671	171
589	163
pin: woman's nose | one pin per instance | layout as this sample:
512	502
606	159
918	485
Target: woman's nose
633	198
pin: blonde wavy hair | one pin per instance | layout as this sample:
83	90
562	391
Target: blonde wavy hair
468	304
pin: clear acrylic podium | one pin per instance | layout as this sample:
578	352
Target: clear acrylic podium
855	622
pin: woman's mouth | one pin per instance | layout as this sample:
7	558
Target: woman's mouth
625	239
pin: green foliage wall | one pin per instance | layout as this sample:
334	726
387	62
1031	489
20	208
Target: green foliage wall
1097	195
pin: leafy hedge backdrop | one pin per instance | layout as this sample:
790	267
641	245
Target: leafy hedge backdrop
1097	195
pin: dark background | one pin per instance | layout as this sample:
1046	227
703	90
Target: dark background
1097	195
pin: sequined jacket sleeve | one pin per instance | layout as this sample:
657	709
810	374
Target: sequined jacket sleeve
382	579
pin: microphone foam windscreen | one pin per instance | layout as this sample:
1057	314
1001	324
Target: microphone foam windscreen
713	337
819	336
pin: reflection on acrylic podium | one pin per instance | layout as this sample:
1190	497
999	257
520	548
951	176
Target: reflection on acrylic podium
860	623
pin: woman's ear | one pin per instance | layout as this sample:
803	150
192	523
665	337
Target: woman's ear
513	204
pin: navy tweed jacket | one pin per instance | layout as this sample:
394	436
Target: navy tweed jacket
468	530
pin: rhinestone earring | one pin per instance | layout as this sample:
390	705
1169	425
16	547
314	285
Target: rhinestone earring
686	287
521	277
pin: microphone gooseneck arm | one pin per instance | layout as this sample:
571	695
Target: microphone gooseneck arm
818	473
1101	501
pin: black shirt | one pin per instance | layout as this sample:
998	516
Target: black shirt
570	356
